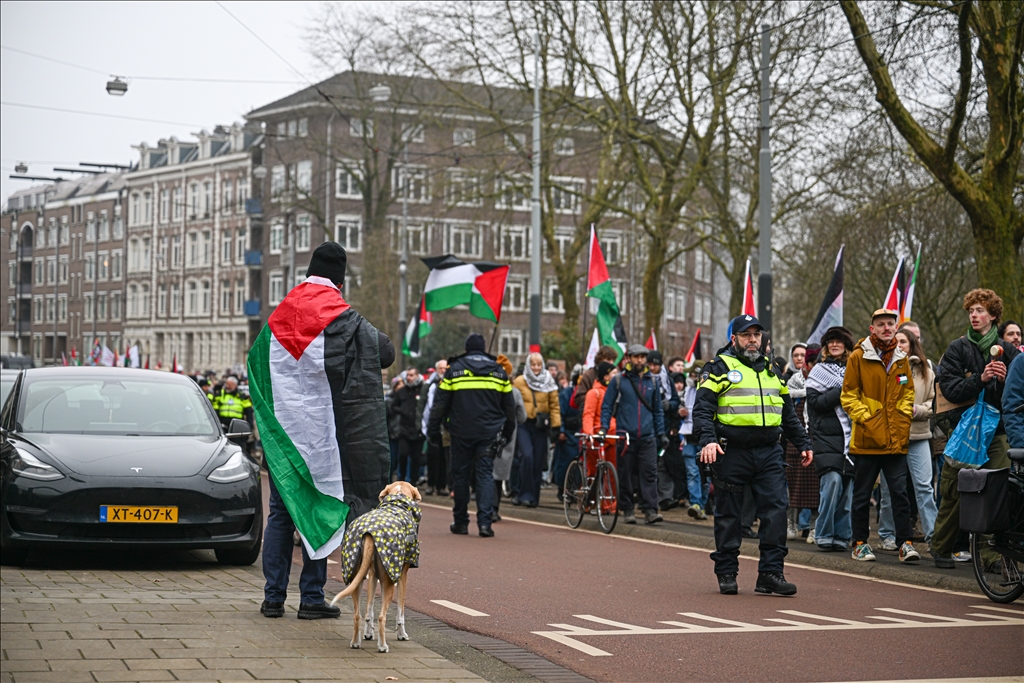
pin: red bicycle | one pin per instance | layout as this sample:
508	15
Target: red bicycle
592	484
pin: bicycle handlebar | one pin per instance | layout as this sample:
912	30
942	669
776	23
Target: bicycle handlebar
605	437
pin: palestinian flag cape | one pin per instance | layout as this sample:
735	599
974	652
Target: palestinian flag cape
599	286
315	383
419	327
453	282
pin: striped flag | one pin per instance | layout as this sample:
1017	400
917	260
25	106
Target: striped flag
893	296
652	341
831	312
599	286
453	282
419	327
908	296
748	294
694	352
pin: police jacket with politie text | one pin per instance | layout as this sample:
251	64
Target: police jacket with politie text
768	395
632	415
474	400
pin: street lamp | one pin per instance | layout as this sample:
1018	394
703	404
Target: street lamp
259	172
21	168
116	86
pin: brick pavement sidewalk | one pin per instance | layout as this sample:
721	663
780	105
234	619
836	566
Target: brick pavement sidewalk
193	622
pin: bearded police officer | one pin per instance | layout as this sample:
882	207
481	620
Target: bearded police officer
741	410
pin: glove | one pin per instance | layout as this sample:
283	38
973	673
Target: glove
663	441
554	433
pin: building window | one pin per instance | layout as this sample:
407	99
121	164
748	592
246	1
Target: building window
303	127
51	309
227	195
517	297
175	299
90	268
348	232
552	297
513	193
277	181
39	273
412	132
178	204
176	251
304	176
90	231
194	209
204	297
145	255
282	129
135	208
566	195
101	306
133	301
564	147
62	308
51	233
346	181
675	303
165	205
563	239
115	306
611	246
225	297
513	242
225	247
147	208
161	300
65	231
302	232
463	240
464	137
104	224
115	264
191	298
239	295
207	199
276	288
193	249
51	270
463	189
276	238
701	266
207	247
360	128
161	253
415	178
144	300
292	129
240	244
103	266
510	343
62	269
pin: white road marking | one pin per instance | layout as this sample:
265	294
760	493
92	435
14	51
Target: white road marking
704	551
972	679
459	608
568	633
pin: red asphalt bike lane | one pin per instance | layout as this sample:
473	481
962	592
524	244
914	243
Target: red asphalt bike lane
537	577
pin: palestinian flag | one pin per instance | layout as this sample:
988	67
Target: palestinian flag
453	282
831	312
694	352
599	286
893	296
419	327
294	407
748	294
908	292
652	341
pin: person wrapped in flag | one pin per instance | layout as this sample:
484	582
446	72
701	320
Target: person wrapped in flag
315	383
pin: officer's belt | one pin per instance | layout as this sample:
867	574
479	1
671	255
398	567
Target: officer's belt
747	410
726	486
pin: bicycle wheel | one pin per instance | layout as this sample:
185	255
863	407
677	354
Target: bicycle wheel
574	493
1003	584
607	488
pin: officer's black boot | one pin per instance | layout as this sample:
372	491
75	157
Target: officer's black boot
727	584
774	582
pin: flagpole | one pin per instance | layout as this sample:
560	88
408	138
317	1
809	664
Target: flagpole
493	335
586	301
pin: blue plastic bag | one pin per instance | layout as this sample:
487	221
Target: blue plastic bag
969	442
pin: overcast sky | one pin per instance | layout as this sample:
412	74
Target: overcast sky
187	40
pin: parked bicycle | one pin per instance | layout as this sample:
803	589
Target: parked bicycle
592	484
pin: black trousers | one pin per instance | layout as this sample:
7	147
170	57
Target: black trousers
865	472
409	451
763	469
641	455
473	459
437	467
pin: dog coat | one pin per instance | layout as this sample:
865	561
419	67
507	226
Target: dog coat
394	526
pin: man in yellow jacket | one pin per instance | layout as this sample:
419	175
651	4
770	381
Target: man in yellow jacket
878	395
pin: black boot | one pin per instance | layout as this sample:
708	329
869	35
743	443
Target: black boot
321	611
774	582
272	610
727	584
458	529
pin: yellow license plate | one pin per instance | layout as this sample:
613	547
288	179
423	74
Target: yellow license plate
139	514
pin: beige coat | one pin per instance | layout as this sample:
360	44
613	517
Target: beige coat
539	402
924	394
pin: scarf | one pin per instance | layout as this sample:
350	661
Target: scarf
542	383
829	375
984	342
663	383
884	349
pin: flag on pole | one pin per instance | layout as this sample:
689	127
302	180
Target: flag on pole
908	294
107	357
174	364
595	344
419	327
610	329
97	352
63	359
652	341
75	360
147	362
133	357
748	294
694	352
892	297
453	282
831	312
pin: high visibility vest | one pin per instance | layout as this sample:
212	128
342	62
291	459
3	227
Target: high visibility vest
462	380
230	406
747	398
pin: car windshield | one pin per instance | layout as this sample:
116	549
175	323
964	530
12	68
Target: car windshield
114	407
5	389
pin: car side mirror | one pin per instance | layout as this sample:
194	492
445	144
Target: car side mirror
238	430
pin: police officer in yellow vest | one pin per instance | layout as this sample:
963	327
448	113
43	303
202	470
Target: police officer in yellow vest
230	405
741	409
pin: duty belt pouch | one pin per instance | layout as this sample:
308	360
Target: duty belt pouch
543	420
984	503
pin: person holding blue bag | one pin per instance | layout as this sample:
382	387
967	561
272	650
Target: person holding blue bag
972	374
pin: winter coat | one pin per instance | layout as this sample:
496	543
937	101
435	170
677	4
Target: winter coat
409	402
583	386
879	401
633	416
539	402
960	376
394	419
829	438
592	410
503	464
924	396
474	400
1013	397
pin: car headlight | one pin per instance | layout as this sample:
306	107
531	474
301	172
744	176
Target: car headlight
27	465
235	469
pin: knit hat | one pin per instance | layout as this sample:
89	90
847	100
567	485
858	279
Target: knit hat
655	357
505	363
475	342
602	369
839	333
329	261
813	351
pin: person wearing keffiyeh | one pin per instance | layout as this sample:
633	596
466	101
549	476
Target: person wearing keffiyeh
671	467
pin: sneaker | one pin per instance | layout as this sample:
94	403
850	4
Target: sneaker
652	517
774	582
825	547
272	610
628	518
862	552
908	553
944	561
791	531
321	611
727	584
962	556
695	511
810	536
889	544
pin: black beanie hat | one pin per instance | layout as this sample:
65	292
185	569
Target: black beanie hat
475	342
602	369
329	260
655	357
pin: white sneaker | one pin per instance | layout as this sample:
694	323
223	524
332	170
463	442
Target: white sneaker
889	544
810	537
791	531
962	556
908	553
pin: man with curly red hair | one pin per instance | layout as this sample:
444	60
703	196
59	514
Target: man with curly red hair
974	362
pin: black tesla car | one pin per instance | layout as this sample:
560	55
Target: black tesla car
117	457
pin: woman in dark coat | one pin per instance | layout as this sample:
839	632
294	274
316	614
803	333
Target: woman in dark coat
830	435
802	481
